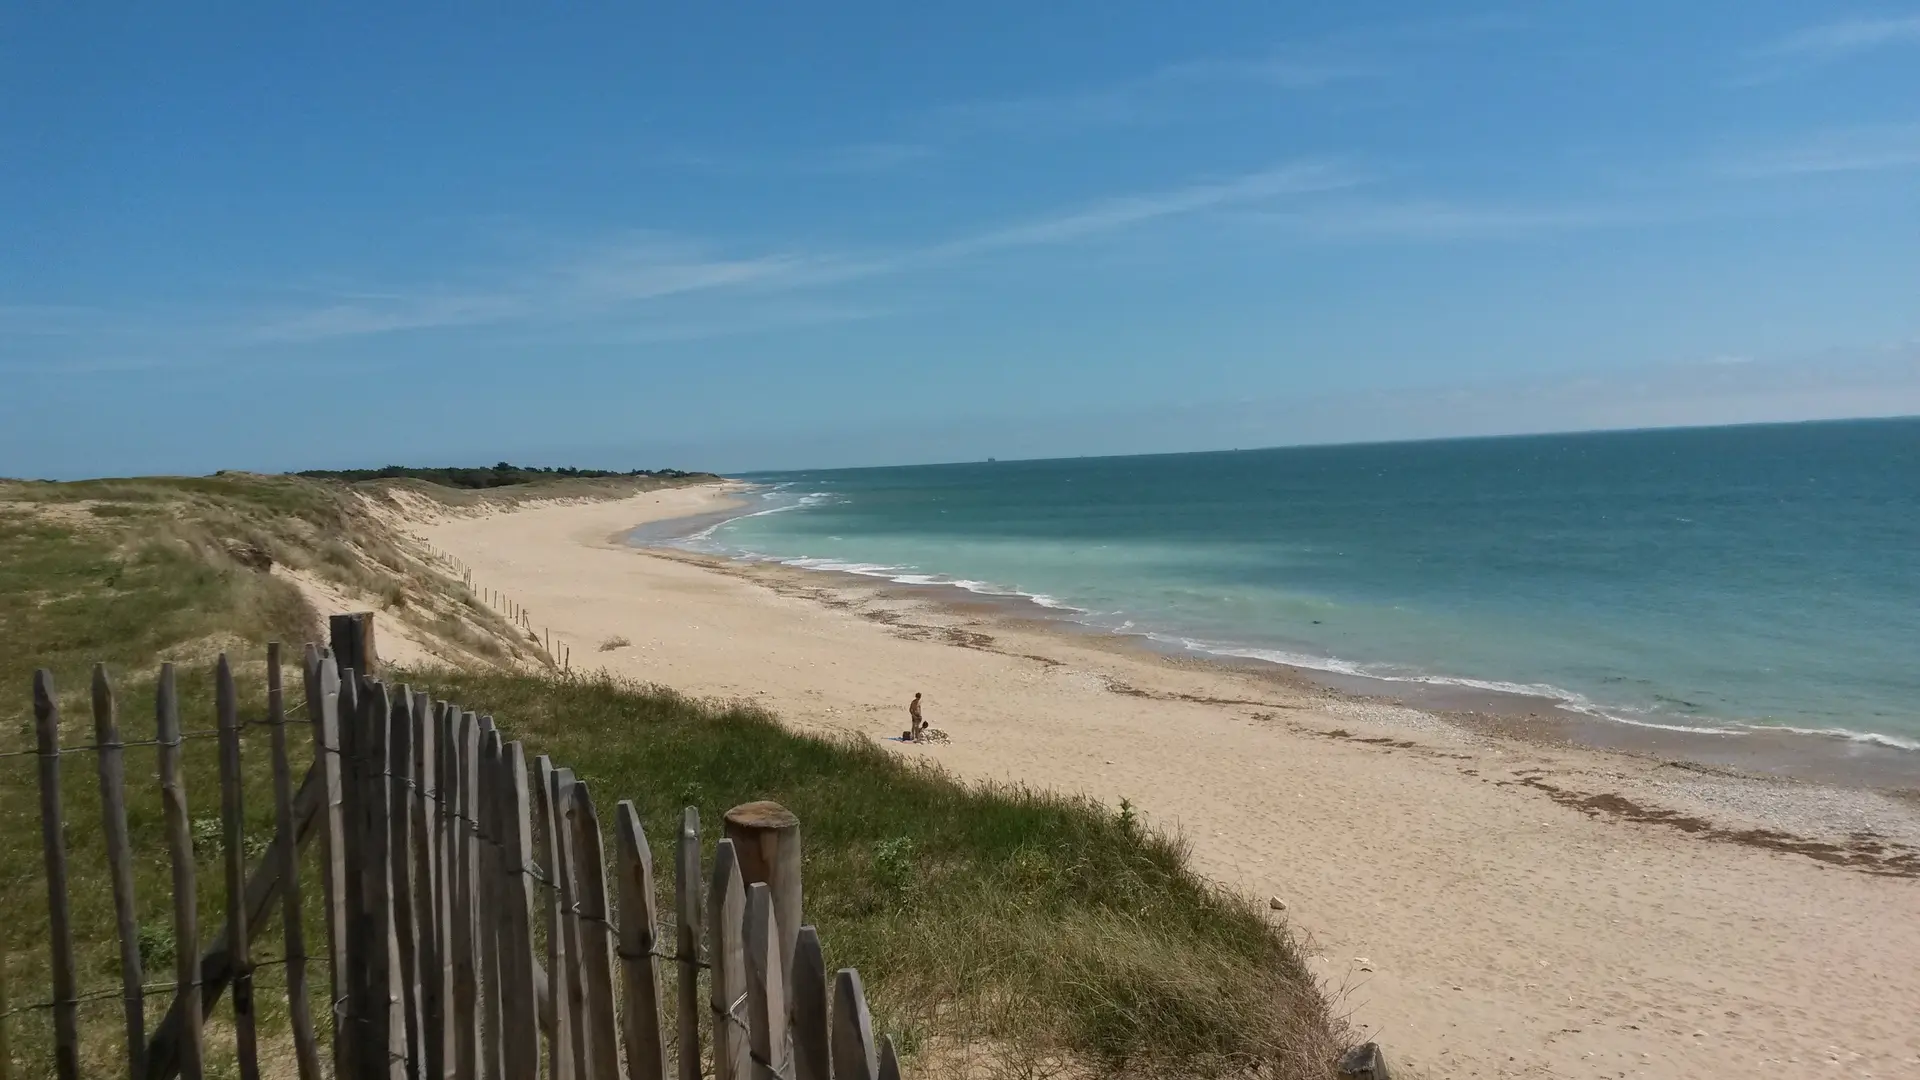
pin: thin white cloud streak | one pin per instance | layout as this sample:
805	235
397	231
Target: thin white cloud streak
1184	89
1114	214
1843	150
1846	37
612	280
1161	96
774	317
870	157
1439	221
850	159
360	319
617	286
606	279
45	320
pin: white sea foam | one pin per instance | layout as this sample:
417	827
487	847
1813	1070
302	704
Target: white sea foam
1562	698
1118	622
705	537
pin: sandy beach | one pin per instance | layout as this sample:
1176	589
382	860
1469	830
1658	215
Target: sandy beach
1484	905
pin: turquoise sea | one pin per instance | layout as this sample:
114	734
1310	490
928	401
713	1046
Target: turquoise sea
1705	578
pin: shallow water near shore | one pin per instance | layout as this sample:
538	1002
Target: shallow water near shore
1699	585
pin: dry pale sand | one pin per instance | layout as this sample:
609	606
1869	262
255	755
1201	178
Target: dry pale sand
1486	907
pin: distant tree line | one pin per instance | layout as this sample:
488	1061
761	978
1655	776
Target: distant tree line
500	475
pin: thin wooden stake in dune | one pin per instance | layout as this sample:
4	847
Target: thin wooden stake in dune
299	1012
186	927
113	824
639	946
233	831
596	958
689	919
726	915
66	1023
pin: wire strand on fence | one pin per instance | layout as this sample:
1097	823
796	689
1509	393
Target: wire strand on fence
729	1017
203	733
149	990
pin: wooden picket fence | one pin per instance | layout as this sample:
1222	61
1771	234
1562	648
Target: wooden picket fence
472	927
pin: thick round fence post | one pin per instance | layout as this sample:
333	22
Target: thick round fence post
351	637
766	838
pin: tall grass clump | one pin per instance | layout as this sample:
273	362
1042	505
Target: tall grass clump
1000	930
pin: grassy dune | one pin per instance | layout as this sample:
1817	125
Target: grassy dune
1000	931
1012	925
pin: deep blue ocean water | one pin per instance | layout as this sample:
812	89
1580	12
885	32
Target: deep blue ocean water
1690	578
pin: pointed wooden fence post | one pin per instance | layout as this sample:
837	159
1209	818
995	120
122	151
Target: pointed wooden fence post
447	905
853	1053
726	917
401	794
487	894
66	1024
425	807
322	685
186	932
596	960
639	948
519	996
233	821
466	967
807	1009
375	902
579	1035
766	987
560	1035
688	918
113	825
351	1025
299	1009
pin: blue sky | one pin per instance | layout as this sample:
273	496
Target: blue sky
762	236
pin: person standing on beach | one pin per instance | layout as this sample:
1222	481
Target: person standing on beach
913	711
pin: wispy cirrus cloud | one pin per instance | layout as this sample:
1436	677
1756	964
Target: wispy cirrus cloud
619	278
847	159
1863	148
1843	38
45	320
1223	84
594	282
647	286
868	157
1111	215
1431	220
1160	96
1824	44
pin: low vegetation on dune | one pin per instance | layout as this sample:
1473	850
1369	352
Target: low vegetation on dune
1001	926
1000	931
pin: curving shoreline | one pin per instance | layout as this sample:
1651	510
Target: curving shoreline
1843	758
1492	906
